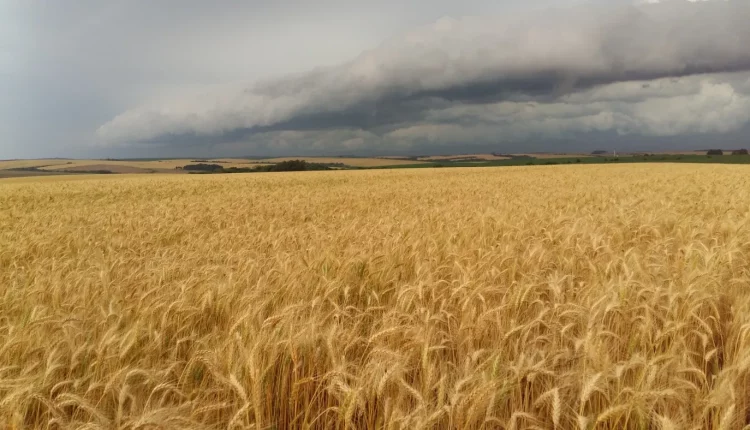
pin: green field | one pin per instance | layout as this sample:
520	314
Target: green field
531	161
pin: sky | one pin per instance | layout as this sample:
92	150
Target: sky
188	78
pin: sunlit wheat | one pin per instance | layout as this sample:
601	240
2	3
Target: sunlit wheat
551	297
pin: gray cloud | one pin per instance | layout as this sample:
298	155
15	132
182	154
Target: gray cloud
582	69
660	107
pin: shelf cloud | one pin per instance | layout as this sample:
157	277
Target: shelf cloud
652	69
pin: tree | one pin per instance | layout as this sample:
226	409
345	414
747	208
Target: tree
715	152
739	152
202	167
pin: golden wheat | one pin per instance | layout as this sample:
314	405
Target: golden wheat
549	297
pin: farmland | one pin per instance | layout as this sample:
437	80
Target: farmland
172	165
45	167
485	157
555	297
347	161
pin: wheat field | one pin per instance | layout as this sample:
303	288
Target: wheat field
549	297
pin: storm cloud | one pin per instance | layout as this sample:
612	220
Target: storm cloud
653	69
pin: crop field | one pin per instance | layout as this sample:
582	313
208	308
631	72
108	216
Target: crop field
545	156
155	164
354	162
549	297
486	157
20	164
169	165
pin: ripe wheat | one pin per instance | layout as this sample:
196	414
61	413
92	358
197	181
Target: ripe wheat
548	297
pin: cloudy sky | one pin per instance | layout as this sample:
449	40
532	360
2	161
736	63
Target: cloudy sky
152	78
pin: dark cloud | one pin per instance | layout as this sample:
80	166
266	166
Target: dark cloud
583	69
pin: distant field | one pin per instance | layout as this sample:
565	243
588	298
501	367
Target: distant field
64	178
158	165
57	164
354	162
20	164
52	166
459	157
165	166
22	174
548	297
395	157
728	152
551	155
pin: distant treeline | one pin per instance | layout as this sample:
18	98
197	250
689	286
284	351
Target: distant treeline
284	166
